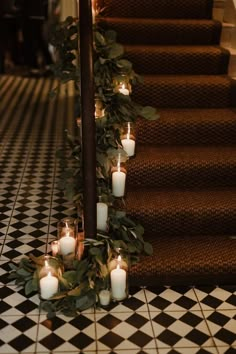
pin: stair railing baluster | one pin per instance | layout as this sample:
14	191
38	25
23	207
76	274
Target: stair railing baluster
87	116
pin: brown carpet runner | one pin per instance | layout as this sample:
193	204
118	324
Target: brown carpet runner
182	183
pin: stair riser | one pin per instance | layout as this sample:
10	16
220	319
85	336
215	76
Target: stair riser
181	174
165	32
148	61
158	92
158	9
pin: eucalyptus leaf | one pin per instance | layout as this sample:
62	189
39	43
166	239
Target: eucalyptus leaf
86	301
99	38
148	248
75	292
110	36
23	273
149	113
116	50
70	276
124	64
31	286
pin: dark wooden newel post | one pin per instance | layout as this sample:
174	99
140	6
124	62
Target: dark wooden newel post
87	115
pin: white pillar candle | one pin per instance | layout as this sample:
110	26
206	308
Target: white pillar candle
48	286
118	283
124	90
102	215
104	297
67	245
129	146
118	183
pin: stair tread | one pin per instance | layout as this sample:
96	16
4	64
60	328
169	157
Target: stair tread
164	31
160	8
188	126
185	91
157	59
203	259
183	166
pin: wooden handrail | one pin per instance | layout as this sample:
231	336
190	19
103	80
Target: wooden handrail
87	116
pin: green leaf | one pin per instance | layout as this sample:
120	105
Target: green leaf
110	35
75	292
116	50
149	113
23	273
99	38
86	301
124	64
48	306
31	286
70	276
148	249
139	230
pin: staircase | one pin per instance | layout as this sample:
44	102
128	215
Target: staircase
182	183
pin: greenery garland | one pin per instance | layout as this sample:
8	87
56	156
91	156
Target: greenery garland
79	287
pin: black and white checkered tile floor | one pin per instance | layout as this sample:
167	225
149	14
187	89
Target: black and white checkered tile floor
152	320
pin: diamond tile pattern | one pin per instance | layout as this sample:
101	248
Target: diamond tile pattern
152	320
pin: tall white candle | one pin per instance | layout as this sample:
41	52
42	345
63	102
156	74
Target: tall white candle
102	215
118	183
124	90
67	245
118	283
48	286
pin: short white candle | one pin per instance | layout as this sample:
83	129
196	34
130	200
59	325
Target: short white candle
124	90
54	248
118	183
48	286
118	283
129	146
67	245
102	215
104	297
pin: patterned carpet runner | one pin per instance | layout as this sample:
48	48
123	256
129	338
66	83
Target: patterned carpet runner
181	184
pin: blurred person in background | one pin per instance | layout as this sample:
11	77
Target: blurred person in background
34	16
9	31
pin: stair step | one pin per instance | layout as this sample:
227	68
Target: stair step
172	212
199	260
186	91
188	127
183	167
158	9
148	31
193	60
